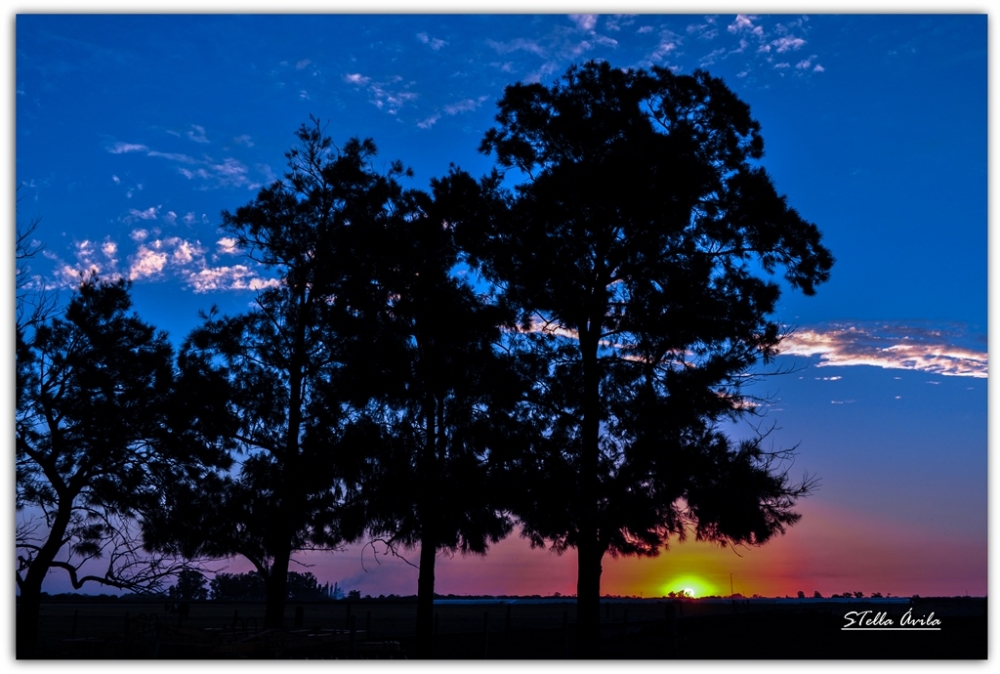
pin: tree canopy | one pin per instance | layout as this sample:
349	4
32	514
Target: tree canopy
636	246
94	387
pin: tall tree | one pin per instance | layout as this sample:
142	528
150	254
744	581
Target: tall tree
281	369
446	411
639	237
93	395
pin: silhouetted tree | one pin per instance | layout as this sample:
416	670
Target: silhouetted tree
283	370
639	238
237	587
190	586
447	410
93	393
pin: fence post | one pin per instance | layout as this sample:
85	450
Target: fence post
368	626
299	617
354	642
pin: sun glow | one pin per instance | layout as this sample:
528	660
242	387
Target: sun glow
692	586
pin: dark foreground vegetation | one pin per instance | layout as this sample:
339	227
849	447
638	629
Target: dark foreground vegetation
508	629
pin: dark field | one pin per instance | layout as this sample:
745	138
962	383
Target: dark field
650	629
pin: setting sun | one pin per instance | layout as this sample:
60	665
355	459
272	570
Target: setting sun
692	586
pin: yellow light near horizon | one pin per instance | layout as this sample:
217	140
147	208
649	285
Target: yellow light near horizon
692	585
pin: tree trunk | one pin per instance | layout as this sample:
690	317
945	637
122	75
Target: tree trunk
427	510
425	595
588	598
276	585
30	604
28	613
588	581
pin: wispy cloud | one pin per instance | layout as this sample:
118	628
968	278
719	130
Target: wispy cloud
388	96
432	42
197	134
787	43
517	44
942	351
228	172
744	23
585	22
122	148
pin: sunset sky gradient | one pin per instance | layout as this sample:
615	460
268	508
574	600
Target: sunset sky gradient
133	133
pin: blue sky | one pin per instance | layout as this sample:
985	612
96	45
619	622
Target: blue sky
133	133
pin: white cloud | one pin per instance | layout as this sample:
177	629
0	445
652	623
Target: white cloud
228	245
146	263
890	346
744	23
585	22
237	277
122	148
304	63
357	78
466	105
197	134
174	156
787	43
429	122
432	42
150	213
517	44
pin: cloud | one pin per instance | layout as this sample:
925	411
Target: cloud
429	122
134	214
229	172
158	259
228	245
744	24
431	42
357	78
302	64
197	134
787	43
237	277
517	44
585	22
243	140
122	148
467	105
669	42
945	352
146	263
174	156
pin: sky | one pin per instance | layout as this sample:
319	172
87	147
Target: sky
134	133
